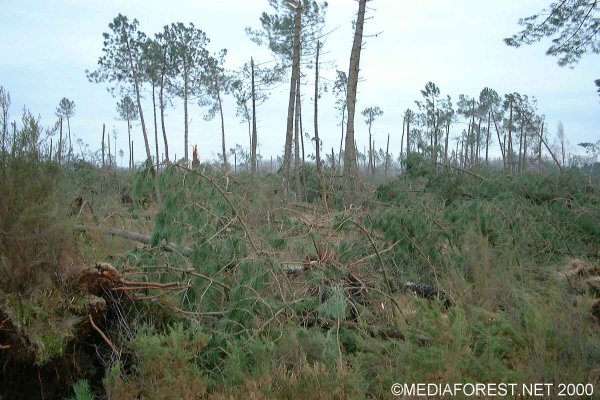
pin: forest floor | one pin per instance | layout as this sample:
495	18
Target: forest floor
197	284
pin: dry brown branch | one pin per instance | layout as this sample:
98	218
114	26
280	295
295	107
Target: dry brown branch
102	335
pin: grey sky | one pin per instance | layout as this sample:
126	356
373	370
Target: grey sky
46	47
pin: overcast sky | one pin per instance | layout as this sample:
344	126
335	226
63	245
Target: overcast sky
46	46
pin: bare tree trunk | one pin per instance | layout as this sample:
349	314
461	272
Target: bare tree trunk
130	144
223	147
341	139
109	155
297	132
472	136
510	149
332	159
500	142
350	167
185	113
562	148
162	116
103	133
520	165
370	165
407	137
299	107
317	140
446	142
292	100
155	125
387	156
525	152
487	139
402	143
254	137
70	143
60	141
132	162
373	159
477	150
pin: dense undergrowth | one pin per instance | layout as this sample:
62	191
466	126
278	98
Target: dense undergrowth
435	276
